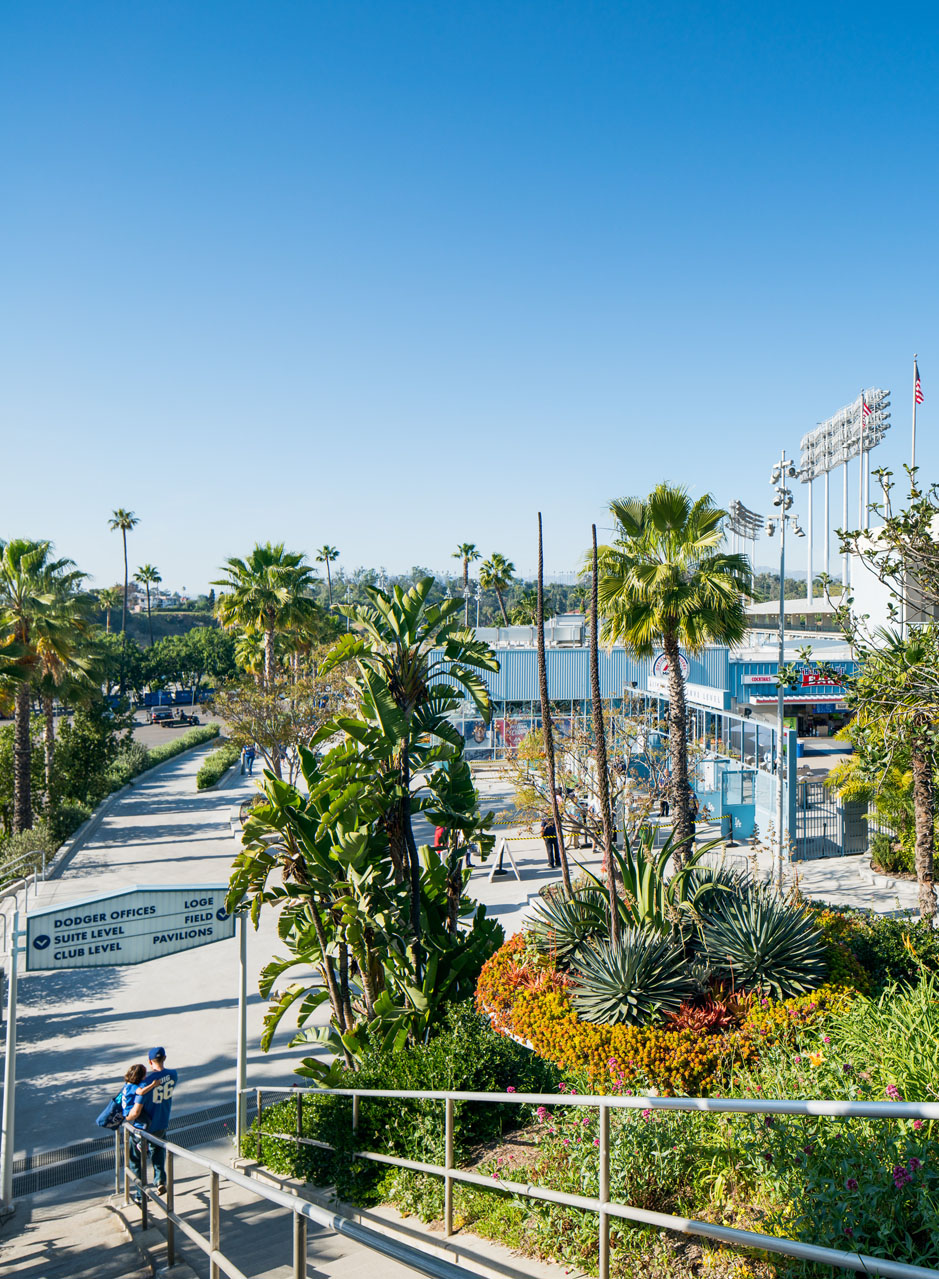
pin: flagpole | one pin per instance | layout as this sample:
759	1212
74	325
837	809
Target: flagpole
913	450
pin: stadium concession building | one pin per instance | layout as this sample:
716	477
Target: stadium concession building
731	704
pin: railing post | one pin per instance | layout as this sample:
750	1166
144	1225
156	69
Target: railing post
259	1125
126	1131
299	1246
144	1201
214	1225
299	1114
117	1160
170	1204
448	1164
604	1195
355	1114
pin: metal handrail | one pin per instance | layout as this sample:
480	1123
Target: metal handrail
602	1205
301	1210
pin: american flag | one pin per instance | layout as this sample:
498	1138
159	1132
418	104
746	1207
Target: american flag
867	408
917	384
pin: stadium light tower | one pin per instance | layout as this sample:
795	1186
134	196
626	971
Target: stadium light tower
852	432
746	526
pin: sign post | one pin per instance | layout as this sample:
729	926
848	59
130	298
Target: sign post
9	1074
128	926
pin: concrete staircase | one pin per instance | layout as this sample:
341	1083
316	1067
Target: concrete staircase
69	1241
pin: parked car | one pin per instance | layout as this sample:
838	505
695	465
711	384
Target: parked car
159	715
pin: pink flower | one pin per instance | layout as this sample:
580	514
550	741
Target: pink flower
826	1039
851	1183
511	1088
893	1092
901	1177
917	1123
915	1164
586	1120
647	1115
596	1141
542	1113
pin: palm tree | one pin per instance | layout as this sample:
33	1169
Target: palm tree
326	555
266	592
466	551
27	595
108	599
497	574
525	608
125	521
664	581
148	576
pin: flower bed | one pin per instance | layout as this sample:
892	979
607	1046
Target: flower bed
525	997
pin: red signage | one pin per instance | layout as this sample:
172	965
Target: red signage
812	679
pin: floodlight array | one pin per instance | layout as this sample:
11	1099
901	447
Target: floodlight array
744	522
834	442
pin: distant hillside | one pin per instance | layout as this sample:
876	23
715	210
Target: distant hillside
165	622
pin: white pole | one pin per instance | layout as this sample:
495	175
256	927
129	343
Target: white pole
242	1066
867	489
809	539
913	447
844	557
860	469
9	1074
827	527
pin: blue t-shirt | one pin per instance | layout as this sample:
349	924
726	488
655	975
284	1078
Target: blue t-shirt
156	1104
128	1098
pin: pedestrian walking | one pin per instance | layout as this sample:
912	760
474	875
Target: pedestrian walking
250	756
151	1111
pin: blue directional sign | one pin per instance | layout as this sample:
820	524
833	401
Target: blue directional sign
129	926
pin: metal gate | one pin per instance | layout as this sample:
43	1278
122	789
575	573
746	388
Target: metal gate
819	823
824	826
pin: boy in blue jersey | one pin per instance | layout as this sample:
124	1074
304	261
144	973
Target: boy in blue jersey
152	1111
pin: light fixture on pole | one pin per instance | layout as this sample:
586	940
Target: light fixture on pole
746	525
467	596
783	471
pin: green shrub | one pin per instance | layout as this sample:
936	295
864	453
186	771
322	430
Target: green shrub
893	856
216	765
465	1056
66	819
38	840
192	737
132	759
761	943
635	982
890	951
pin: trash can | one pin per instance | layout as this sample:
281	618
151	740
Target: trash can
800	749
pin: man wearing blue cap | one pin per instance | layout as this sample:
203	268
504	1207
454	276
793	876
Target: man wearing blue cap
152	1112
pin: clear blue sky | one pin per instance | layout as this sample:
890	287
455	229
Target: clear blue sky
395	275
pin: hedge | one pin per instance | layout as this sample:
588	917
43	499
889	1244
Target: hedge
215	766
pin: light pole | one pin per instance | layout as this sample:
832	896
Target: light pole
783	470
467	596
479	592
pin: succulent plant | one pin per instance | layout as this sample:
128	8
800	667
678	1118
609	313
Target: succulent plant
762	943
637	982
562	926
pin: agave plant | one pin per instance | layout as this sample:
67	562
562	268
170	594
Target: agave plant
637	982
651	898
762	943
562	926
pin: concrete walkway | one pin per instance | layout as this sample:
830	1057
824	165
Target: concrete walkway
79	1031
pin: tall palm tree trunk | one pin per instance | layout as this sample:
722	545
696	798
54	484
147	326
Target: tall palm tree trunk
465	585
269	656
923	811
22	756
48	745
126	582
546	719
599	737
505	616
329	584
149	615
678	752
